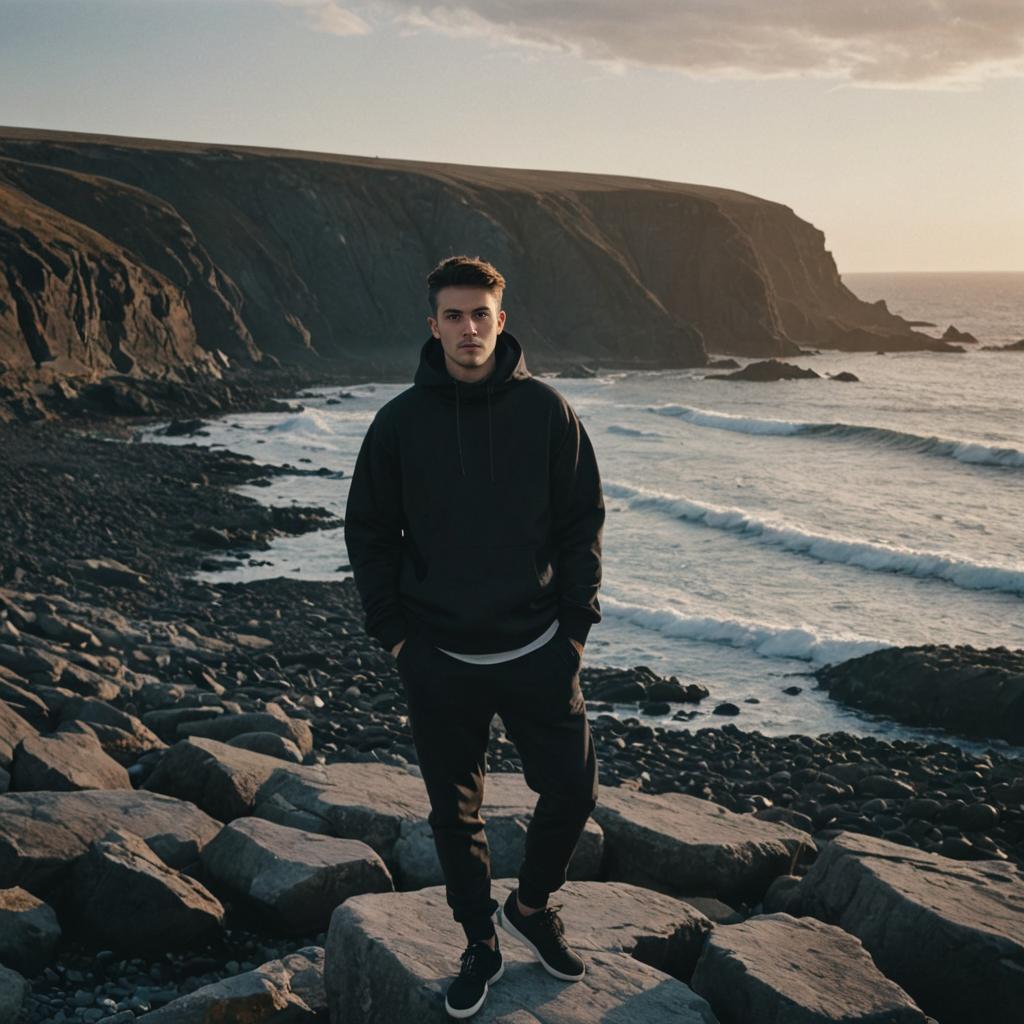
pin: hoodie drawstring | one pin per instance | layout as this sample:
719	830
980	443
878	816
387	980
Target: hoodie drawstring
458	431
490	435
458	428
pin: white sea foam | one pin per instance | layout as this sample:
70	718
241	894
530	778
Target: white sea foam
974	452
618	428
767	640
825	547
318	422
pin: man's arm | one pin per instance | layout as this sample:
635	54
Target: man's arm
578	521
373	533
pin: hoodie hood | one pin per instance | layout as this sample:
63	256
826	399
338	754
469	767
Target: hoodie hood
432	374
509	366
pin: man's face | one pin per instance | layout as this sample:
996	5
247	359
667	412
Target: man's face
468	324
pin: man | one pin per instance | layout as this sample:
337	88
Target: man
473	528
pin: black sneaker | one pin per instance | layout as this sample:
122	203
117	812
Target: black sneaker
481	966
544	934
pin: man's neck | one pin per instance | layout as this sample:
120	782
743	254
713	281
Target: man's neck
470	374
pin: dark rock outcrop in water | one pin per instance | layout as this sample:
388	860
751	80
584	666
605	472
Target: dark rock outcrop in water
141	256
767	370
967	691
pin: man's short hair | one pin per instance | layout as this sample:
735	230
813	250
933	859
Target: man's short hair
464	270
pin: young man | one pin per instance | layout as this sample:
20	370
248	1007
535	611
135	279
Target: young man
473	528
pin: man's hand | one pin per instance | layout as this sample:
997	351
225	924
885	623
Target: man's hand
397	648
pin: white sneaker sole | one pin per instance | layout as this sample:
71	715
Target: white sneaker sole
516	933
470	1010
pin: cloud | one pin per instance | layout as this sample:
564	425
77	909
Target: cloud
901	43
330	16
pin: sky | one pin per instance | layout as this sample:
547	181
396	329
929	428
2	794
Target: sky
895	127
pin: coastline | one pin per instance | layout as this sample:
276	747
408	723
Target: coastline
161	511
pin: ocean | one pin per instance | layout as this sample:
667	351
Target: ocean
757	531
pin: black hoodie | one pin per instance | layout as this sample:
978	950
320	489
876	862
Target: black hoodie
475	511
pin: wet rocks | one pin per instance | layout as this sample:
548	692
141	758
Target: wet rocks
638	684
951	934
963	689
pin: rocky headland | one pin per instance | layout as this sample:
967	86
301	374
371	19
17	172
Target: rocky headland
210	808
171	260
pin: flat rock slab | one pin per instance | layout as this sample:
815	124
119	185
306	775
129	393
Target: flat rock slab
778	969
295	876
13	729
391	957
221	779
42	834
689	847
950	933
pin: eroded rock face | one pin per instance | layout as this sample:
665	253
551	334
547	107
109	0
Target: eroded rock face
778	969
390	957
64	761
951	934
690	847
126	257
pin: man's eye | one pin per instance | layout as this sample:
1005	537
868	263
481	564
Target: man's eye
483	315
453	316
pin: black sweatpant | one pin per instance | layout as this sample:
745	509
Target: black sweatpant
451	704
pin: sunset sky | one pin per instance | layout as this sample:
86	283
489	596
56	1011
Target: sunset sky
896	127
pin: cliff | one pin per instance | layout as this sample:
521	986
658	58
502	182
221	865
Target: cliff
141	256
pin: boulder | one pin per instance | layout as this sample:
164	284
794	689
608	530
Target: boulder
123	736
31	707
43	833
13	729
689	847
778	969
223	780
125	898
65	761
106	572
273	719
14	990
368	802
390	957
268	743
508	806
295	877
28	931
290	989
387	807
950	933
164	721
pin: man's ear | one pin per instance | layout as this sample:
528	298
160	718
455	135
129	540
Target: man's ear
501	320
432	324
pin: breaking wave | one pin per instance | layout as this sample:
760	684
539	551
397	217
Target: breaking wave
765	639
973	452
827	548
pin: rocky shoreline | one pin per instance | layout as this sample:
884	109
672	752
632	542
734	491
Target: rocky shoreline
120	672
